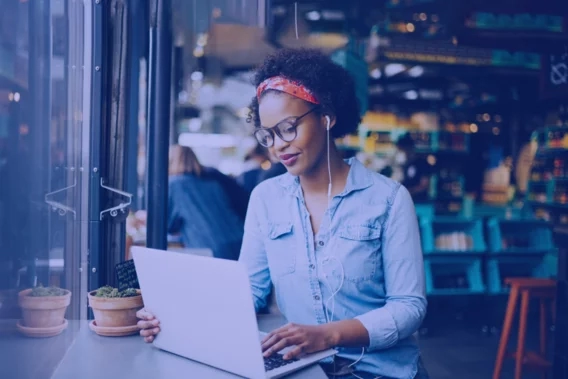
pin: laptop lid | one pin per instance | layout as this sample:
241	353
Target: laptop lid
205	308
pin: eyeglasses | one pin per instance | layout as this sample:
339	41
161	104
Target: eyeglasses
286	129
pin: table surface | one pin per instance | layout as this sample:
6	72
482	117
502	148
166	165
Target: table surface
80	353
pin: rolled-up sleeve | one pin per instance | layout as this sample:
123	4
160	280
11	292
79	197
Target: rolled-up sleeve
253	254
405	306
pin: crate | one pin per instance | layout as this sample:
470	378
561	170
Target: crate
453	267
518	248
524	266
453	275
521	236
452	235
424	211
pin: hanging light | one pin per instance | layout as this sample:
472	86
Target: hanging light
416	71
392	69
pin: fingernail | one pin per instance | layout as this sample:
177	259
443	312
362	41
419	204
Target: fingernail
156	330
155	322
286	356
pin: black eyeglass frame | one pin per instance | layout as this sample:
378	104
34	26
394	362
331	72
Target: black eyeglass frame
294	121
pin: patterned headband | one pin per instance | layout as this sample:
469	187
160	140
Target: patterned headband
280	83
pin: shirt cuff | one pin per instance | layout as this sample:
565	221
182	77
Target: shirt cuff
383	332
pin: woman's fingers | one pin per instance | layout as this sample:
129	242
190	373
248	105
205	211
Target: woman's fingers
282	343
142	324
274	339
286	328
148	325
296	352
149	332
144	315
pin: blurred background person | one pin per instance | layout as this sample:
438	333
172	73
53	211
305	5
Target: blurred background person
204	205
253	170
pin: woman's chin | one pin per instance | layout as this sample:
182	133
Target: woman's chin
294	170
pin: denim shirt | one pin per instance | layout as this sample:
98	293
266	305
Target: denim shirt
367	251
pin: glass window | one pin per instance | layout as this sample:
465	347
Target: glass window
45	70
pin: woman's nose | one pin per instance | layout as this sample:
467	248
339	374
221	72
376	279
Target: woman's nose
279	143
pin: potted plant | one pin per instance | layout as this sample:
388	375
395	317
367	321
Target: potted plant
115	311
43	311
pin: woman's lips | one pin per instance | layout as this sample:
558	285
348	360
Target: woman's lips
288	159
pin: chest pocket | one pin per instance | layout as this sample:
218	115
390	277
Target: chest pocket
281	249
359	247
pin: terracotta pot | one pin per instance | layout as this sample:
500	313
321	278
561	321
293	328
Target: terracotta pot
43	311
115	312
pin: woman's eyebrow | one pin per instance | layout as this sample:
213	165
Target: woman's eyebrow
270	127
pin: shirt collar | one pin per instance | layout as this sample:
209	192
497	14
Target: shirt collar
359	178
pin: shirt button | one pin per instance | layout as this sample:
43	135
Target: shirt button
312	266
317	297
321	243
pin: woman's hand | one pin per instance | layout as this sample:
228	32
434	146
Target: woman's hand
306	338
149	326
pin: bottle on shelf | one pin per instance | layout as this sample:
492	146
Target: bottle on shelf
456	241
559	168
560	193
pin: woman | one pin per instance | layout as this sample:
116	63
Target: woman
202	205
340	243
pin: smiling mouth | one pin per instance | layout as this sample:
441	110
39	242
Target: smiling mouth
288	159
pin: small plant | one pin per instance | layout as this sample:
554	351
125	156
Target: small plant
116	310
43	310
110	292
41	291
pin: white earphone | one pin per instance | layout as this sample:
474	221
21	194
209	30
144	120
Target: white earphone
329	315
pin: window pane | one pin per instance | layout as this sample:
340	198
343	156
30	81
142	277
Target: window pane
44	140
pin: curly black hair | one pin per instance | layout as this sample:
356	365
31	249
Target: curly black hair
330	83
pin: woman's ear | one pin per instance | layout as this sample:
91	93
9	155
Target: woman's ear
328	121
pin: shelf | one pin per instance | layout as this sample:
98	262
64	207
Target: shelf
524	251
457	252
543	138
455	292
546	151
548	204
507	212
435	143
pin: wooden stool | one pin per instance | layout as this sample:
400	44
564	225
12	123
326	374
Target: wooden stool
527	288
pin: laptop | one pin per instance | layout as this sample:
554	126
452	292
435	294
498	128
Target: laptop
206	312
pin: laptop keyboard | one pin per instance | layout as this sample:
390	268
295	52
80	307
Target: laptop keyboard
277	360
